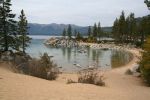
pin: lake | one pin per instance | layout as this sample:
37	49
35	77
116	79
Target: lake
68	57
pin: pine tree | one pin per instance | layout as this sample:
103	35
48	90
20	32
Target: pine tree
22	31
95	31
144	28
122	27
79	36
64	33
1	36
69	31
89	32
75	33
127	35
147	3
141	30
132	26
115	29
8	26
99	31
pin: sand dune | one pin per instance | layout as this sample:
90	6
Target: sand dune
119	86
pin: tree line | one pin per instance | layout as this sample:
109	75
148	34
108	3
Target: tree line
131	30
93	33
13	34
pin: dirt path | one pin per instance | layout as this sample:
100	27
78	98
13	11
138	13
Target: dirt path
118	87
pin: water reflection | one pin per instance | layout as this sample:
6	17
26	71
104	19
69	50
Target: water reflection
69	54
68	57
116	58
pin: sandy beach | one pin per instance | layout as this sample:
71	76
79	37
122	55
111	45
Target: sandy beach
119	86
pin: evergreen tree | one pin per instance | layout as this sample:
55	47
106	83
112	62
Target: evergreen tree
22	31
79	36
75	33
69	31
147	3
8	26
141	30
127	29
89	32
144	28
133	26
95	31
122	27
99	31
1	36
64	33
115	30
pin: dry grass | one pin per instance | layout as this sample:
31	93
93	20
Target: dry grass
43	68
70	81
91	77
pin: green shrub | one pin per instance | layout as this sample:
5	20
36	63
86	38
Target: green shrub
146	75
145	62
145	69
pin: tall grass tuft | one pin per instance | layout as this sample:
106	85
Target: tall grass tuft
91	77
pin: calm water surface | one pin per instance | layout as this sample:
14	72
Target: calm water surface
67	57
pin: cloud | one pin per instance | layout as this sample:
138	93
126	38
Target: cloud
80	12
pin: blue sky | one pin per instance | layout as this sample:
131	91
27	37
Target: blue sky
79	12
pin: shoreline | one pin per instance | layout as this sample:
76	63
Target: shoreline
136	55
135	52
63	42
119	86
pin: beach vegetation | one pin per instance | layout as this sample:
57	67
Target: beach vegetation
91	77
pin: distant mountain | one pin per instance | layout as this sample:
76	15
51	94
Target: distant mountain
56	29
107	29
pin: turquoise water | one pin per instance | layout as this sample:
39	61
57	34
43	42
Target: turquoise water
68	57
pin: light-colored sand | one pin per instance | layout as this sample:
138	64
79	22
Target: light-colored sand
118	86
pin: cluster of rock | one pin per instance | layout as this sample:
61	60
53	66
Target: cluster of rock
106	46
61	42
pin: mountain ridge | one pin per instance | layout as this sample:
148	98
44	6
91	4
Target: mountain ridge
57	29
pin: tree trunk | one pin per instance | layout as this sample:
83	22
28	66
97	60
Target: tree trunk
23	43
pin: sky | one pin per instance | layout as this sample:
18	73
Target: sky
79	12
